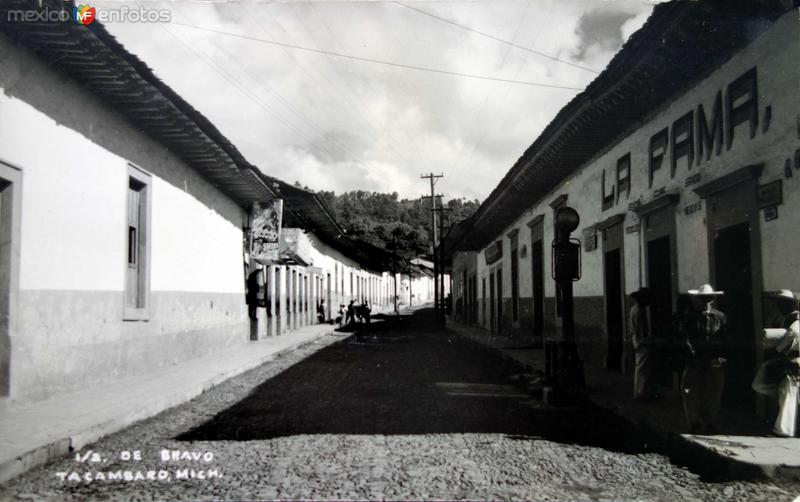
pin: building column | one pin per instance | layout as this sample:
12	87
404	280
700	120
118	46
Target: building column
314	302
289	298
308	282
306	291
295	299
281	294
300	290
301	296
263	320
297	307
271	301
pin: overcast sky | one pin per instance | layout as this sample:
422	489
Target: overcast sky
339	124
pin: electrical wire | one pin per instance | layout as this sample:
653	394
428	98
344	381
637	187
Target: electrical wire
353	109
313	128
377	61
387	133
238	85
492	37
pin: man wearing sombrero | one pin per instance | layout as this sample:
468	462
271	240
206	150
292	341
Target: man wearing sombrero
704	375
779	376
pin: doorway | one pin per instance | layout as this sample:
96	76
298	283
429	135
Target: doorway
537	261
328	297
499	277
734	253
614	291
491	302
659	280
483	301
614	318
733	272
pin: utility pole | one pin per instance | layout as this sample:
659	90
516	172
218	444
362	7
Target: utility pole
394	272
433	178
439	254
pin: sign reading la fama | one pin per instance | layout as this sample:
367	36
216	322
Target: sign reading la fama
696	134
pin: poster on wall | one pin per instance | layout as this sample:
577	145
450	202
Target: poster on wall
265	230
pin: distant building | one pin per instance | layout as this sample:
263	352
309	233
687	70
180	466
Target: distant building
683	161
123	219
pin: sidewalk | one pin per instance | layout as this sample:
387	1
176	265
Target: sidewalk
31	435
747	453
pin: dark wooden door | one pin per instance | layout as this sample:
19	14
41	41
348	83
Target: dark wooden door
614	317
732	266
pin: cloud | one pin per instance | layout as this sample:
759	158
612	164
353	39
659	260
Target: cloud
337	124
600	31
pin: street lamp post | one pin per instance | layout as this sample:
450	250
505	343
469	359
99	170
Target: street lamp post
566	263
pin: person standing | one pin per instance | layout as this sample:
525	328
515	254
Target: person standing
321	312
704	333
255	290
779	376
644	385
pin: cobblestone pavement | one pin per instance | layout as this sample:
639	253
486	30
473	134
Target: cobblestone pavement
327	422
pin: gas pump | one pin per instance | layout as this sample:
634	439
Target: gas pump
564	366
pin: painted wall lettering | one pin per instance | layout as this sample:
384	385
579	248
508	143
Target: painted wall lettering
709	136
695	135
608	196
693	179
742	104
682	144
658	149
624	175
693	208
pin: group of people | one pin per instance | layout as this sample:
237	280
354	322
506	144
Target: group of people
702	340
353	312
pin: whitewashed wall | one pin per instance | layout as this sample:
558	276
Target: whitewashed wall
74	155
775	54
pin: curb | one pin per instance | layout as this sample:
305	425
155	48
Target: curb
678	448
76	440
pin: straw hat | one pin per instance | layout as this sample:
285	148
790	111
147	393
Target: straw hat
705	290
783	294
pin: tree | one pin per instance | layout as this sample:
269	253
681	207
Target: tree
382	219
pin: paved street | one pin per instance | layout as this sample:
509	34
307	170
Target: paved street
395	412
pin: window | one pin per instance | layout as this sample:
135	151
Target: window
137	276
10	210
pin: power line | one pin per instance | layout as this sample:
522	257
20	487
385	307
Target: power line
340	46
373	131
483	34
477	144
259	25
377	61
490	91
265	86
234	82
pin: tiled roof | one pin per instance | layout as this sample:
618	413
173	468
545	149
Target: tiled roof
679	45
95	59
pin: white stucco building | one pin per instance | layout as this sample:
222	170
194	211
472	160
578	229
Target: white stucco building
123	219
683	161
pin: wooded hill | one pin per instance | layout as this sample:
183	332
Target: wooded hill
398	225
